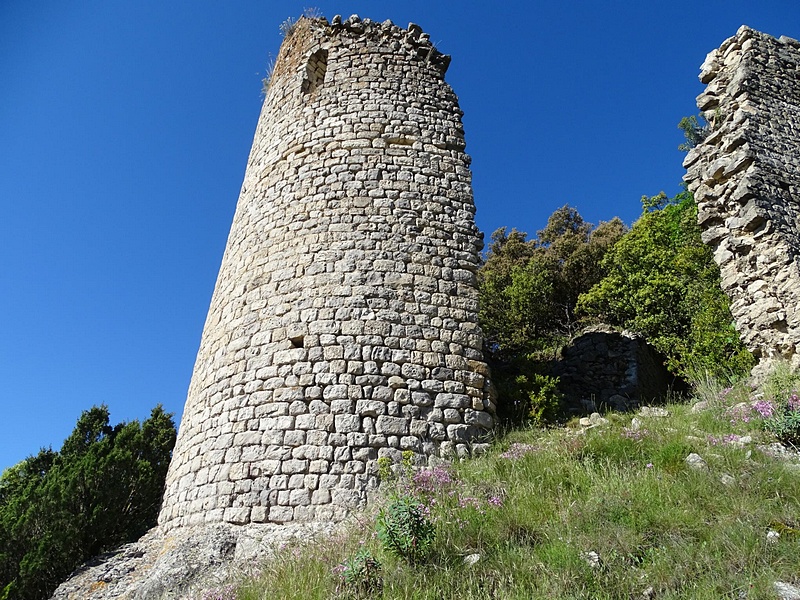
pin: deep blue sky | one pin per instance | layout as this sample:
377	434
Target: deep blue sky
125	129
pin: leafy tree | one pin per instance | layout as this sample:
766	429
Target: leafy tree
662	282
57	509
693	131
529	289
528	294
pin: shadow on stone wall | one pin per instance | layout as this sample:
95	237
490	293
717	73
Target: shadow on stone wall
605	369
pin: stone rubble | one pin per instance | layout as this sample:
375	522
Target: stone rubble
745	176
696	462
787	591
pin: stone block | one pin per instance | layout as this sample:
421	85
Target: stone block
237	515
281	514
391	425
347	423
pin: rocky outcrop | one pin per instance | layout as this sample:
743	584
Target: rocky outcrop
183	562
745	176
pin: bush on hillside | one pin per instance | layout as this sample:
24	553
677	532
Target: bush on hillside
528	294
58	509
662	282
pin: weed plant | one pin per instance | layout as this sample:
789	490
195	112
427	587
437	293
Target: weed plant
613	512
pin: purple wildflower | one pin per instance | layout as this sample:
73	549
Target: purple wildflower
725	439
637	435
430	481
764	408
517	451
740	412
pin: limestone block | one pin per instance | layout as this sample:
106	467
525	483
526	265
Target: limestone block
347	423
237	516
391	425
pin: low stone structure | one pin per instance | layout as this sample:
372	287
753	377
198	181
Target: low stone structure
606	369
745	176
343	326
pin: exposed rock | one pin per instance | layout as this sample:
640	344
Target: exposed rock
778	450
594	420
653	411
591	558
696	462
471	559
787	591
773	536
182	562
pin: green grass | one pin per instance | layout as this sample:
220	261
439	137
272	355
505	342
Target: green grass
628	496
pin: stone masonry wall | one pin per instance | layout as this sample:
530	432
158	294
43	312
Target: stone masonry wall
745	176
343	325
606	369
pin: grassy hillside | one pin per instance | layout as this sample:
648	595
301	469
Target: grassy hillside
613	510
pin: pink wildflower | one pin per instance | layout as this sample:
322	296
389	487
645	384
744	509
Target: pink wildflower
517	451
637	435
764	408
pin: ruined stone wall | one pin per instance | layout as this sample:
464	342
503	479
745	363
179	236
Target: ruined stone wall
606	369
343	326
745	176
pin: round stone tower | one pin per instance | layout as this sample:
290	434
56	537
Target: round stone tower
343	325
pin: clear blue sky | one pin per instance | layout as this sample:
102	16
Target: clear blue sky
125	129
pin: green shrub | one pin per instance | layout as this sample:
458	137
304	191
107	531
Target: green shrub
405	530
527	395
785	425
662	282
102	489
360	575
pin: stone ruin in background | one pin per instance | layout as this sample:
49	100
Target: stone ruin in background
343	326
605	369
745	176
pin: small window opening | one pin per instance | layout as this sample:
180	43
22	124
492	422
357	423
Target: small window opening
297	341
315	71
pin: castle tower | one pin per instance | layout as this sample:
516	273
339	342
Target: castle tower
745	176
343	325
